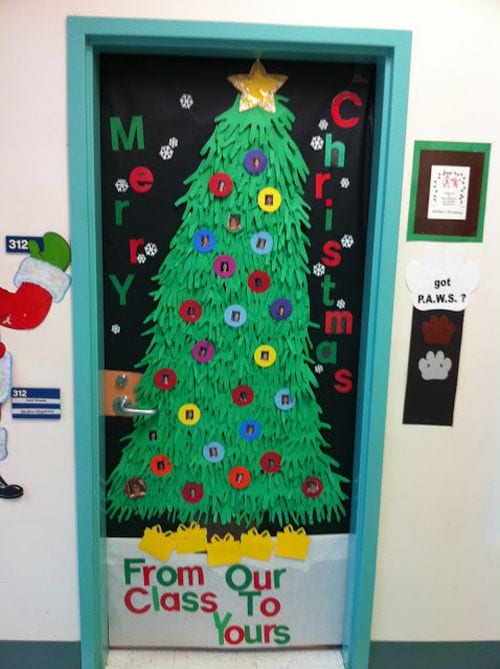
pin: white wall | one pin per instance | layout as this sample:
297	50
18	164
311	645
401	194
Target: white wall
439	548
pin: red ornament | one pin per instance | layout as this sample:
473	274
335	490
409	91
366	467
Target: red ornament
242	396
165	379
160	465
312	487
192	493
220	184
259	282
239	477
190	311
271	462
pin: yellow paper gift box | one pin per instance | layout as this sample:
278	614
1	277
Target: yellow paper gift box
192	539
157	543
257	546
292	543
223	551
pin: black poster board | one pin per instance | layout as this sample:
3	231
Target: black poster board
159	90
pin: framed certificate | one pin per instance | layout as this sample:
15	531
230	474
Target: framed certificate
448	191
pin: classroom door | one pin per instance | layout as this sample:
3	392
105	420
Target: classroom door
234	212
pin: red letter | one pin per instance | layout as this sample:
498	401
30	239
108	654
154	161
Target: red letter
331	257
209	605
320	180
343	378
341	121
338	322
128	600
141	179
133	245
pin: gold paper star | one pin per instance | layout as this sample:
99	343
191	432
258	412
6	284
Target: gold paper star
257	88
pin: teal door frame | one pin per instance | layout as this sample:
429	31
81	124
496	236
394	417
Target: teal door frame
390	51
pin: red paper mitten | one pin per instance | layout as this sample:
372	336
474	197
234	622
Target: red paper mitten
39	284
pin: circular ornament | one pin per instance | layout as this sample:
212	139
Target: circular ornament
265	355
135	488
192	493
250	430
271	462
190	311
203	351
262	243
189	414
204	241
235	315
224	266
165	379
239	477
281	309
213	452
259	282
160	465
220	184
284	399
242	396
312	487
269	199
255	161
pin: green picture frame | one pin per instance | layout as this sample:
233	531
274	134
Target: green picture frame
448	191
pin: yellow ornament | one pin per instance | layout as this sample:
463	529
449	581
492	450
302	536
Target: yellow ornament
264	355
257	88
189	414
269	199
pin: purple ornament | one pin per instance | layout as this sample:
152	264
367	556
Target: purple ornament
255	162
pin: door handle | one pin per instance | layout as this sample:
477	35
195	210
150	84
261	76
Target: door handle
123	406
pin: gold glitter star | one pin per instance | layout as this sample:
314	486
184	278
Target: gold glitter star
258	87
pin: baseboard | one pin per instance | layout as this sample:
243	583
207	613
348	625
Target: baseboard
434	655
40	654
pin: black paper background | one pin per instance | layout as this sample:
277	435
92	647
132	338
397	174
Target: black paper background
151	86
432	402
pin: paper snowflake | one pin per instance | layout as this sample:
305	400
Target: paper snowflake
115	328
173	142
150	249
166	152
347	241
323	124
121	185
186	101
319	369
317	143
141	258
345	183
318	269
341	304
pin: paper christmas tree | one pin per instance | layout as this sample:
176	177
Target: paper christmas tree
237	433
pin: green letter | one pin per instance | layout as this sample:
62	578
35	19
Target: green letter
129	569
330	147
221	625
136	132
121	290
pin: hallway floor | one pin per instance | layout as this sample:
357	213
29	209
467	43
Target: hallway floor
189	659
